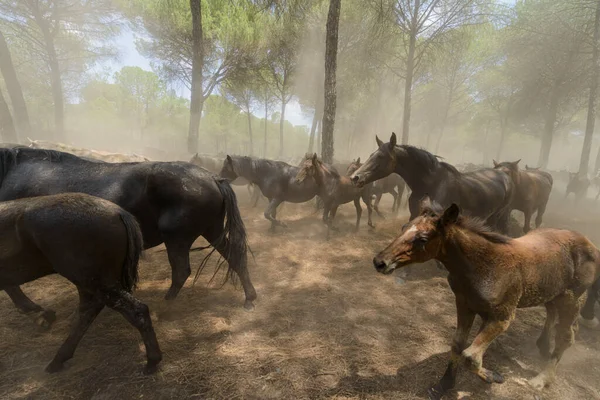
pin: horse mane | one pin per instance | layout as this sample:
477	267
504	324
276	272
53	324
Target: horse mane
425	160
329	169
474	225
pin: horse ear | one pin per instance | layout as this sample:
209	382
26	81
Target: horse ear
379	142
517	162
450	215
229	159
358	160
495	163
393	140
425	203
314	158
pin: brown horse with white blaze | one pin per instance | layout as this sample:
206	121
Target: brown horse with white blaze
492	275
532	191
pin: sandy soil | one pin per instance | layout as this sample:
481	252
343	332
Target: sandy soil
325	326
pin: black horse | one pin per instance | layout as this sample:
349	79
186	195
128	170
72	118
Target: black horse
90	241
275	179
174	202
486	193
214	164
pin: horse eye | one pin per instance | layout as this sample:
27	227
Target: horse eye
420	241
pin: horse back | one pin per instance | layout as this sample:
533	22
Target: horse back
553	261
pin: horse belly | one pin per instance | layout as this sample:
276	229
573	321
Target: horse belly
23	267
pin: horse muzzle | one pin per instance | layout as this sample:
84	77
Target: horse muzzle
358	181
384	267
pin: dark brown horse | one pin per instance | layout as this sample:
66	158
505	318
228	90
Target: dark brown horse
532	191
275	179
492	275
485	193
334	189
93	243
578	185
392	184
174	203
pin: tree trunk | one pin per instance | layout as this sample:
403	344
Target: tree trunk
14	91
316	118
250	133
410	70
445	118
318	134
55	75
591	114
197	94
485	139
281	124
549	128
503	129
7	128
331	44
266	126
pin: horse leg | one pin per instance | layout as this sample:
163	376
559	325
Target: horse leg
540	213
473	355
413	205
255	196
527	217
238	262
43	318
358	212
568	306
376	204
138	315
367	201
178	252
395	203
89	308
332	213
543	342
271	213
588	317
465	319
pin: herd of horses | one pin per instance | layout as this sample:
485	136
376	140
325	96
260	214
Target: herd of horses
89	221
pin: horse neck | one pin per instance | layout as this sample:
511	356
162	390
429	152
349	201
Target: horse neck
323	177
463	251
245	169
416	178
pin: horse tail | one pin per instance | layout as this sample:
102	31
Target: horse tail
233	235
135	245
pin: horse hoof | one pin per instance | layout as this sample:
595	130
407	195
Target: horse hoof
433	393
496	377
539	382
249	306
151	368
54	367
45	319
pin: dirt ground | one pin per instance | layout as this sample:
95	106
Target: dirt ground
326	325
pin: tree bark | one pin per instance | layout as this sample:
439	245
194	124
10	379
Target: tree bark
55	75
410	70
591	114
316	118
266	126
250	132
445	119
330	95
7	127
549	128
503	129
318	134
23	127
281	125
197	94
